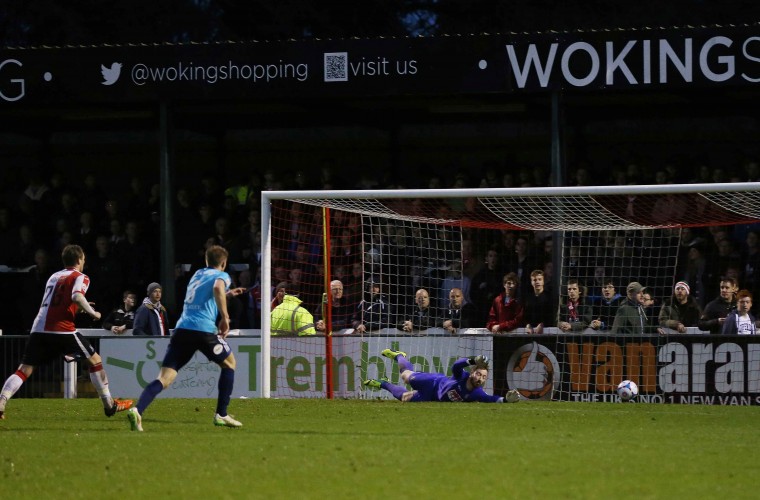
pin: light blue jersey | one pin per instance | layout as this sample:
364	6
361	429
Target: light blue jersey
199	312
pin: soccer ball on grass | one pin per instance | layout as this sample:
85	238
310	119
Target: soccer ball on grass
627	390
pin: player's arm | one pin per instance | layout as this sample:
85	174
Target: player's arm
85	306
220	297
480	396
458	367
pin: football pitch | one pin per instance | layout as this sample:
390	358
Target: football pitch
379	449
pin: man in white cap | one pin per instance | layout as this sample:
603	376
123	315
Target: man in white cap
681	311
630	317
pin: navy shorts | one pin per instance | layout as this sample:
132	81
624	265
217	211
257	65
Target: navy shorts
184	343
42	348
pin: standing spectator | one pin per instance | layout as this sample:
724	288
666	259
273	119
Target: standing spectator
630	317
751	260
122	318
741	321
715	313
135	256
341	313
279	294
698	272
575	314
455	279
681	311
540	307
150	318
34	284
291	318
91	195
521	264
374	312
487	284
420	316
650	307
54	335
506	312
107	275
606	307
459	314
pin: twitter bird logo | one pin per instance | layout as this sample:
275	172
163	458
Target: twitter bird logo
110	75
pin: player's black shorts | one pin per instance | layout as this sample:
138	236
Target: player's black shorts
43	348
184	343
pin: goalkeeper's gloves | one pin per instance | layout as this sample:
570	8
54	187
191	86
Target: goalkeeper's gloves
478	360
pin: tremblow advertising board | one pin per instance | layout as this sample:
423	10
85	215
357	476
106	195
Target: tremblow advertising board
687	369
298	365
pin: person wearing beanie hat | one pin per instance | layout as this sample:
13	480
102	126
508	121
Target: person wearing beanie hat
151	317
681	311
630	317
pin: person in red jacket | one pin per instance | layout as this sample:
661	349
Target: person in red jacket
506	312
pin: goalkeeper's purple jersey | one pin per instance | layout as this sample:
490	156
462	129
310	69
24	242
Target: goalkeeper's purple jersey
438	387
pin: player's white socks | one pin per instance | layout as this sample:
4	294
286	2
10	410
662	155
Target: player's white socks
99	380
12	384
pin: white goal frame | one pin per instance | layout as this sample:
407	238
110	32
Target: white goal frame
268	196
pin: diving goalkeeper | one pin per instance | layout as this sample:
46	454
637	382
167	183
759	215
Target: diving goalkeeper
461	387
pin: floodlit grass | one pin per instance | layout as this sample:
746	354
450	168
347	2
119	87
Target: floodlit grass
379	449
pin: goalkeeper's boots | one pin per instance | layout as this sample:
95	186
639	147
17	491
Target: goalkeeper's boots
377	384
512	396
226	421
118	405
135	419
390	353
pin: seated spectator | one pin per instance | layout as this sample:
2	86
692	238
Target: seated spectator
122	318
506	312
150	318
741	321
540	309
575	314
681	311
604	309
340	312
630	317
715	313
290	318
420	316
459	314
372	313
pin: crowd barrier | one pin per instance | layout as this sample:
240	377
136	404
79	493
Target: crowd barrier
674	368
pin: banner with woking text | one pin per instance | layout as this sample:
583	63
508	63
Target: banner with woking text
687	369
605	60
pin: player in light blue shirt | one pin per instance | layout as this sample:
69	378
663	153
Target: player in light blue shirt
461	387
197	330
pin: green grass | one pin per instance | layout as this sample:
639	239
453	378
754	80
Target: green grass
379	449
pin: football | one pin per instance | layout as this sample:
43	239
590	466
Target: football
627	390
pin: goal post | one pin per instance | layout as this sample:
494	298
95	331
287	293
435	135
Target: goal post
398	242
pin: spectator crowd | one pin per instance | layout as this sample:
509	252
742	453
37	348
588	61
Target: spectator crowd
440	285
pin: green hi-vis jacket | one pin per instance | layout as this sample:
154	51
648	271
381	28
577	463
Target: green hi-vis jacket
289	318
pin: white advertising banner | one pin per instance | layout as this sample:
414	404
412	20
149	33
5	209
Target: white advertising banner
297	365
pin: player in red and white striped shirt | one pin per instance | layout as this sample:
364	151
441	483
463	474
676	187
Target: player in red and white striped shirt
54	334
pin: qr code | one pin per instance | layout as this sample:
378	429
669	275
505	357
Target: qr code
336	66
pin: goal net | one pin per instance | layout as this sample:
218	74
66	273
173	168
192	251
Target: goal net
562	288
